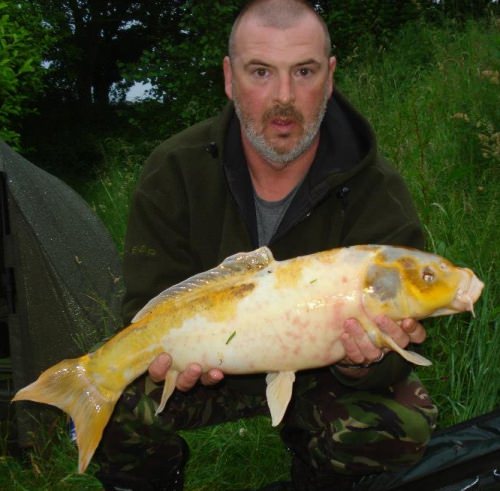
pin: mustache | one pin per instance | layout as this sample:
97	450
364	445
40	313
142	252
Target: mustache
287	111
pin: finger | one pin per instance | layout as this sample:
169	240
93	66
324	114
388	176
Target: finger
212	377
189	377
368	350
393	330
415	330
352	353
359	348
159	367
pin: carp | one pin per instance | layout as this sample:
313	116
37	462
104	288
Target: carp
253	314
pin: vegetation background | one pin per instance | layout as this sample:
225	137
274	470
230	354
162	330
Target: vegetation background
425	73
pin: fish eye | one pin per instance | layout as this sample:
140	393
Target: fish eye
428	275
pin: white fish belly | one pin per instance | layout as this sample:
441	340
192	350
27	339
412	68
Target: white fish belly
274	328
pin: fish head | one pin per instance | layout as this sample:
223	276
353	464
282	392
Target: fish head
404	282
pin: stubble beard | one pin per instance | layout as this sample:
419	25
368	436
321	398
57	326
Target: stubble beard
275	156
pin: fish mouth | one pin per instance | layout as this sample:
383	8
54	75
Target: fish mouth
469	290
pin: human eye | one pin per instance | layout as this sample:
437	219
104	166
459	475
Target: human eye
260	72
304	72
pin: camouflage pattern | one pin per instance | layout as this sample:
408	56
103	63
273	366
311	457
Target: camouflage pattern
340	430
329	427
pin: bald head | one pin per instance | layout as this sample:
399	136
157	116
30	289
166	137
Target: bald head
278	14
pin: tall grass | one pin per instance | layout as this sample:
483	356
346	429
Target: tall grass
433	100
110	193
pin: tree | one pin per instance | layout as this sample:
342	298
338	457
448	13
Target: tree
186	70
95	37
23	39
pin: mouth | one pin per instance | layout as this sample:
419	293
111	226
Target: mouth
283	118
282	121
468	292
283	124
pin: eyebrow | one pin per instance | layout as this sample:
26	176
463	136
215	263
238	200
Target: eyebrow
310	61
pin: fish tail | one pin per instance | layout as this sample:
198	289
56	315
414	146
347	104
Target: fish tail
70	386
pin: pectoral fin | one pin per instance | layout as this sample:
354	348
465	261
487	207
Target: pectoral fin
279	393
168	388
385	341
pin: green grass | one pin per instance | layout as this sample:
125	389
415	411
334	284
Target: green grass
433	100
241	455
110	193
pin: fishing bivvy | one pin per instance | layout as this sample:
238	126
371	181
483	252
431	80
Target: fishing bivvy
61	282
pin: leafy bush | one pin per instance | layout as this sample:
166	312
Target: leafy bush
186	72
22	40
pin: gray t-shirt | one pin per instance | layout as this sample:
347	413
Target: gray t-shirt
269	215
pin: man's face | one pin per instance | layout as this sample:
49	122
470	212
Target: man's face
280	81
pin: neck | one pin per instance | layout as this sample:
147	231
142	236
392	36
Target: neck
272	182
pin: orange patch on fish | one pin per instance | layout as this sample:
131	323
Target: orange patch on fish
328	257
216	304
288	274
221	305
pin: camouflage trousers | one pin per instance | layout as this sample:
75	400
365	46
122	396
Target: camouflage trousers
329	427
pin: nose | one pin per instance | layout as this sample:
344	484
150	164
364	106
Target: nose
285	93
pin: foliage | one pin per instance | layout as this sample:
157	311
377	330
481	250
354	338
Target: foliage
101	48
353	24
50	465
93	37
186	75
23	39
464	9
245	454
116	182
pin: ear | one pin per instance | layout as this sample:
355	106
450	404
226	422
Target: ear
332	64
228	77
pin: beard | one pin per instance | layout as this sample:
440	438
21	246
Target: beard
276	156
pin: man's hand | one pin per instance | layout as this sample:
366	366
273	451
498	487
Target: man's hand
359	348
186	379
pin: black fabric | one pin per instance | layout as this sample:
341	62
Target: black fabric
238	178
463	456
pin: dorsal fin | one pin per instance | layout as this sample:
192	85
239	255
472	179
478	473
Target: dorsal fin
242	262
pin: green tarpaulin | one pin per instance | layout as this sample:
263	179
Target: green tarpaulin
61	277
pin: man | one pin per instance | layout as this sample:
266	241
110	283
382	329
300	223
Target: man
290	164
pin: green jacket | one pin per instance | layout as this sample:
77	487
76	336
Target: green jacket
194	206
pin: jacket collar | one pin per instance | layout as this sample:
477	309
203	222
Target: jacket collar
347	144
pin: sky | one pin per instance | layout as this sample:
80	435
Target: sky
137	91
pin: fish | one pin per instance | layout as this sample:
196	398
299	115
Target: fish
254	314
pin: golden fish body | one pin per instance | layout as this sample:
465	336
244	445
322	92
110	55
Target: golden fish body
253	314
